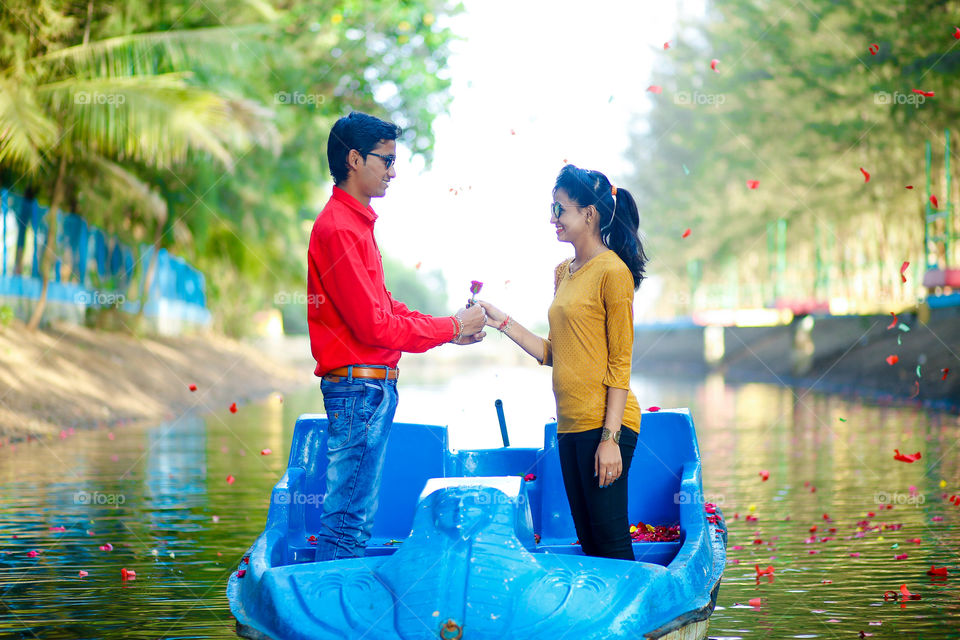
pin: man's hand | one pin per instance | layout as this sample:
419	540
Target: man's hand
472	320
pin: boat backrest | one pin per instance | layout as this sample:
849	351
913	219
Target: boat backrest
667	441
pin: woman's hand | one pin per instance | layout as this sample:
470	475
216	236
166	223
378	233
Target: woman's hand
607	463
495	317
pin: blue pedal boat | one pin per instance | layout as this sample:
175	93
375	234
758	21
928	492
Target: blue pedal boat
454	555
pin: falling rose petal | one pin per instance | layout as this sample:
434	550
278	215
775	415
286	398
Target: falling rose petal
418	265
241	573
764	475
666	45
934	202
653	409
909	186
916	390
265	452
956	34
513	132
944	372
686	234
874	48
713	65
892	360
655	88
230	479
233	408
110	435
893	323
753	184
192	387
530	477
928	94
866	174
83	574
906	457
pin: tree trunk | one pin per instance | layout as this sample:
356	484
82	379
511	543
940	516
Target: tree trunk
49	253
151	270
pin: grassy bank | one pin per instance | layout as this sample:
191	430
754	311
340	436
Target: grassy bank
73	377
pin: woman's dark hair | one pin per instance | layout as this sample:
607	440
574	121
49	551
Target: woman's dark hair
356	131
619	217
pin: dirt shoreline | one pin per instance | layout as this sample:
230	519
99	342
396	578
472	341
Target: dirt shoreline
72	377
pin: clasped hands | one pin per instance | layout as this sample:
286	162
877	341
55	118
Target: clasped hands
474	317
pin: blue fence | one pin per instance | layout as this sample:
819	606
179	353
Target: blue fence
93	268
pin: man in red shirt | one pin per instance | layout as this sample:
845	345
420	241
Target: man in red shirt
357	331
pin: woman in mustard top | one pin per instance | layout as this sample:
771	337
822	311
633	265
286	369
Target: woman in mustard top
590	348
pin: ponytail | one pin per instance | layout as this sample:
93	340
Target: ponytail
619	216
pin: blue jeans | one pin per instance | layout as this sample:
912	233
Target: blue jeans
359	416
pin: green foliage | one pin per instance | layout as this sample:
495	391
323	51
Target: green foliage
426	293
218	109
798	104
6	315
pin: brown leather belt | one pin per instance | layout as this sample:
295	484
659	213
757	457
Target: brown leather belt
338	375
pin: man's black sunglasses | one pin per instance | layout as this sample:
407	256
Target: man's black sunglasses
387	160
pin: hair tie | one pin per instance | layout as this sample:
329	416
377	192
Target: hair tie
613	190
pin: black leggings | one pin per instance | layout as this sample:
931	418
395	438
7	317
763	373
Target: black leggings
600	515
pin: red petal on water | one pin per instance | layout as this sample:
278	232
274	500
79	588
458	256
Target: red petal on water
892	360
764	572
192	387
755	602
902	556
753	184
893	323
937	571
934	202
906	593
128	574
106	547
654	88
906	458
265	452
653	409
230	479
866	175
686	234
854	554
909	186
83	574
233	408
713	65
764	475
874	48
33	553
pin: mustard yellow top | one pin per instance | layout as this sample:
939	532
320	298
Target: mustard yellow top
591	342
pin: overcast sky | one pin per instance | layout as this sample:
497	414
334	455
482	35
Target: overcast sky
534	84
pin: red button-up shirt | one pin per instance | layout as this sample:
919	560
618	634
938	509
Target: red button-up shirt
352	317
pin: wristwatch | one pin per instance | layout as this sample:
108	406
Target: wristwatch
605	435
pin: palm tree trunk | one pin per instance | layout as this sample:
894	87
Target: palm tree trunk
49	253
151	271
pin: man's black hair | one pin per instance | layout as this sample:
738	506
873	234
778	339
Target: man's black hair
356	131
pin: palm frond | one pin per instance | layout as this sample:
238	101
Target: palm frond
158	51
25	131
123	180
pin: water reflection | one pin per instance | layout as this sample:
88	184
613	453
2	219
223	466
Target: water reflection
833	517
